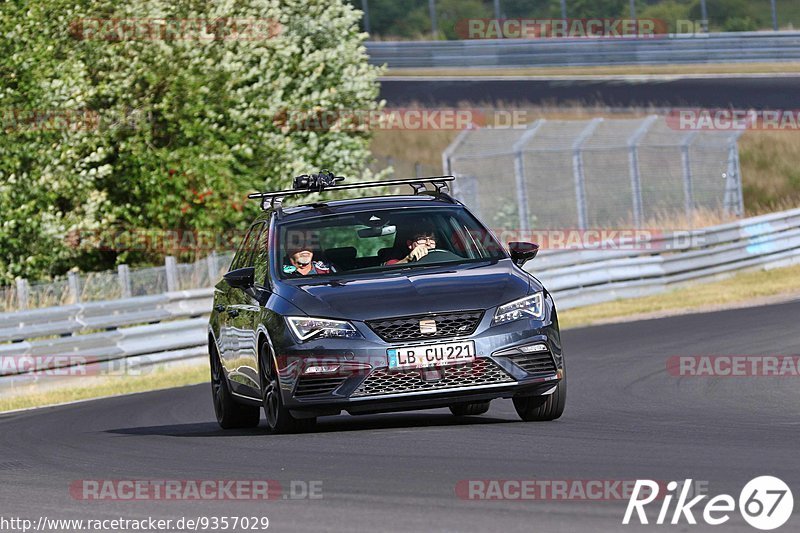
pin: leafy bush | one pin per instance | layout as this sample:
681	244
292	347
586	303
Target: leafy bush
181	129
739	24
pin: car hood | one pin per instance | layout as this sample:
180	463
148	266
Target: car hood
412	291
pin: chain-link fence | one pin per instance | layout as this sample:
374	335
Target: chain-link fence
594	173
400	168
110	285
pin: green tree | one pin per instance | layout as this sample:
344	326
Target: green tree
186	127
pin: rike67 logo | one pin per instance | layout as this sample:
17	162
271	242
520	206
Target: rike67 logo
765	503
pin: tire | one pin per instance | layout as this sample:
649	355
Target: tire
470	409
543	408
279	419
230	414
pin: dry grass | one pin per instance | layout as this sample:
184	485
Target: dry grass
770	162
740	289
721	68
96	387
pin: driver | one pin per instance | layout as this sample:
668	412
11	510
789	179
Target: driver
301	262
420	244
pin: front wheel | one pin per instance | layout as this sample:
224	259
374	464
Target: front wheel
543	408
279	419
230	414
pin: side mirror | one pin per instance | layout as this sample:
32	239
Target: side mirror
522	252
241	278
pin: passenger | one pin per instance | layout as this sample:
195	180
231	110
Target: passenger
301	262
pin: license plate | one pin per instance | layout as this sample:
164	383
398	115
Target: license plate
429	355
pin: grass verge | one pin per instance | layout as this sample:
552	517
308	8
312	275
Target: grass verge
602	70
95	387
740	290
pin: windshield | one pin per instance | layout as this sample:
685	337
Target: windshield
383	240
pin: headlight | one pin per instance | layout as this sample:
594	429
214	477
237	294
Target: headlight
321	328
530	306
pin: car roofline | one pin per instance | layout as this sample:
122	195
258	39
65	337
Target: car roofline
354	205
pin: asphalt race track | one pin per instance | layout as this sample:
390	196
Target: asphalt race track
741	92
626	418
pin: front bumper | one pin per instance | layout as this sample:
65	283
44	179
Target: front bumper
362	382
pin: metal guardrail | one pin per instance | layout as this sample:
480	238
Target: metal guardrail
670	49
171	327
584	277
102	337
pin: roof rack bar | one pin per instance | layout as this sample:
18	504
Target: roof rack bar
439	182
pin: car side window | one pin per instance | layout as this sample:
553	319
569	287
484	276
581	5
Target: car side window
262	259
246	253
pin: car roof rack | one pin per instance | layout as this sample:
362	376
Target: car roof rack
326	181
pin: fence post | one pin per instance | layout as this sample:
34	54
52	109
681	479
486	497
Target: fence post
124	278
365	9
171	266
740	192
447	167
22	294
213	267
519	174
633	162
703	16
434	22
774	10
74	283
418	169
733	181
688	193
577	170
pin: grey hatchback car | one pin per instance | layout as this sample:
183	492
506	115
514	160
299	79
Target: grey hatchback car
379	304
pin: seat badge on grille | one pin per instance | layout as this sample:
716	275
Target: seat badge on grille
427	326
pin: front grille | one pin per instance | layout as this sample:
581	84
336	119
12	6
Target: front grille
480	372
534	363
317	385
407	328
